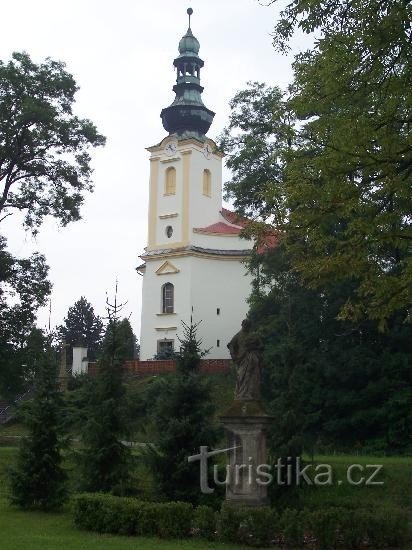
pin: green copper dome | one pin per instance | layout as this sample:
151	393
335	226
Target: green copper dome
187	116
189	44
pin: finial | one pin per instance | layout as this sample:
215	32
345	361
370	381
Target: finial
189	13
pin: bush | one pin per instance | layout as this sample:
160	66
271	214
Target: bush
352	528
291	528
128	516
252	526
204	522
174	519
324	528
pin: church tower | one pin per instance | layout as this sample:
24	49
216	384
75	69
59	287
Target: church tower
194	260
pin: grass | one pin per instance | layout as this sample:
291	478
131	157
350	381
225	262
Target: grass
37	531
394	493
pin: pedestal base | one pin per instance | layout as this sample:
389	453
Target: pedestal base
246	424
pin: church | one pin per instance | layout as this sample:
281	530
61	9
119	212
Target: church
194	263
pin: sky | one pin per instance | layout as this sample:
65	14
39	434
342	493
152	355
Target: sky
120	54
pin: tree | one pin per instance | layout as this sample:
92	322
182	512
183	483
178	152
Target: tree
38	480
182	414
126	340
44	159
329	383
260	128
348	186
82	327
325	377
24	288
105	460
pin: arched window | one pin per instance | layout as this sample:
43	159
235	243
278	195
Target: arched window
168	305
207	183
170	183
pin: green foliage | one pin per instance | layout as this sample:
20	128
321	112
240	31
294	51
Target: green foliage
127	516
328	382
126	340
350	199
259	130
38	480
182	414
257	527
251	526
105	460
24	288
44	160
204	522
82	327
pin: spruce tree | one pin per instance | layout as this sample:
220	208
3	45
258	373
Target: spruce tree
38	480
105	460
82	327
183	417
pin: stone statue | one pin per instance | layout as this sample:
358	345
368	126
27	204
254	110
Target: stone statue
245	349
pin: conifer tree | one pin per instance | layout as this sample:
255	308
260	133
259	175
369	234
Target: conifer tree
183	416
38	480
82	327
105	460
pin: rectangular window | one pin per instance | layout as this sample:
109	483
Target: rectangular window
218	311
165	346
218	343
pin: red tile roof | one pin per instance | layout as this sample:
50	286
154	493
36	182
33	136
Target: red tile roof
233	218
270	240
267	242
219	228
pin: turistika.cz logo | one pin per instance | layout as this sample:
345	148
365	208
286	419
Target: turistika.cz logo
283	472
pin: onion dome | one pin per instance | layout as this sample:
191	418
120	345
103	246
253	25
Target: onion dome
187	116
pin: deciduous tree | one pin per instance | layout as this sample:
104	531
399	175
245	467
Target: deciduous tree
44	158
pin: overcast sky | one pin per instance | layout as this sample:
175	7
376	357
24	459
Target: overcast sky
121	53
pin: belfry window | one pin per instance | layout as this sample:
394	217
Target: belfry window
170	181
168	305
207	183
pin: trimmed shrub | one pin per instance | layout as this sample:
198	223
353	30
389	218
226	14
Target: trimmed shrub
325	526
323	529
174	519
291	527
228	522
127	516
259	527
252	526
204	522
386	527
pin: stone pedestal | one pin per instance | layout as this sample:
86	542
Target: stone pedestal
246	424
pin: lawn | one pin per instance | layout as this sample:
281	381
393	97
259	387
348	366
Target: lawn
35	530
39	531
395	492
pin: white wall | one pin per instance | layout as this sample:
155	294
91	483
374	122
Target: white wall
80	363
204	284
222	284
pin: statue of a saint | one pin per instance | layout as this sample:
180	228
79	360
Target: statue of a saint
245	352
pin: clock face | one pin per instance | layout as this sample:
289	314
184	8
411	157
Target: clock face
207	150
171	148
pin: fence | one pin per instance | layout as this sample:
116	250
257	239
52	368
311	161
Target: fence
144	368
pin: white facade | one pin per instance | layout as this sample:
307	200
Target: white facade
204	264
80	362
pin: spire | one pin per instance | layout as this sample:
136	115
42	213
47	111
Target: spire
187	116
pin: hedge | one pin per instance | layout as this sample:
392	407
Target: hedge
323	529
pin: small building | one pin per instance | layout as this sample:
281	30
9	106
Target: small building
194	262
